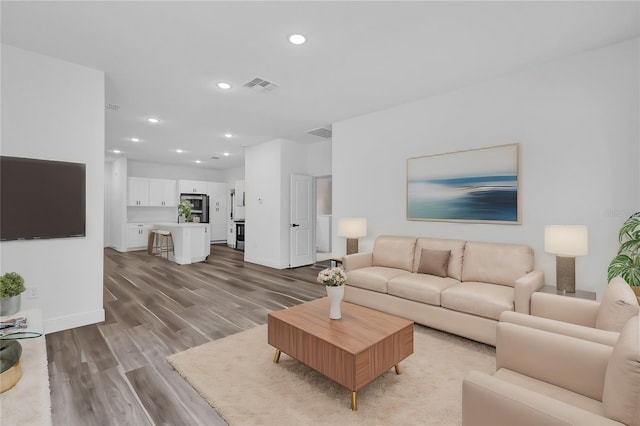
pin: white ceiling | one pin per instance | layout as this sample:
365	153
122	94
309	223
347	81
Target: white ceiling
164	59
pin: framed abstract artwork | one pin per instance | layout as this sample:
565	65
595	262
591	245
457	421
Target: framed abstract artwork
477	185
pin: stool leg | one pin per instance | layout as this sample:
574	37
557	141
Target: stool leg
165	245
156	244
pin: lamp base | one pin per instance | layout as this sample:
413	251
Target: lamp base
566	273
352	245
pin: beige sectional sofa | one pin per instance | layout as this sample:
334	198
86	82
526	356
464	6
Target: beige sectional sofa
457	286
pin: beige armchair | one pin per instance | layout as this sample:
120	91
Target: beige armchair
599	322
545	378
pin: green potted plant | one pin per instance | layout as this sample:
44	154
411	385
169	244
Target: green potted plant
11	286
184	210
627	262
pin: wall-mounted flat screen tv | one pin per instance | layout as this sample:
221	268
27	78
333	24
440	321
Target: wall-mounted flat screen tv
41	199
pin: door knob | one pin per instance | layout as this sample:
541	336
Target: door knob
294	225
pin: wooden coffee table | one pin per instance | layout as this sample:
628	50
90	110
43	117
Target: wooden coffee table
352	351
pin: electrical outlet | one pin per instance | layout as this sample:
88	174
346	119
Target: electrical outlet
32	292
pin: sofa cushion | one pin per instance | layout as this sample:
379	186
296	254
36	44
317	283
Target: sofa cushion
496	263
373	278
420	287
482	299
619	303
394	252
455	259
621	393
434	262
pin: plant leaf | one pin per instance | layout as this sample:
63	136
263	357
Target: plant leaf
619	266
629	227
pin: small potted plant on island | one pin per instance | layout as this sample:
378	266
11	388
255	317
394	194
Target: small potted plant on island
627	262
334	279
11	287
184	211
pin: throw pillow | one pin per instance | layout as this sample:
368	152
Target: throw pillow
619	303
434	262
621	391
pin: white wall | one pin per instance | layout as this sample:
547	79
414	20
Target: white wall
116	172
171	171
319	158
268	168
232	175
54	110
577	122
263	244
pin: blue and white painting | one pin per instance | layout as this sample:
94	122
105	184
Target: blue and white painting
479	185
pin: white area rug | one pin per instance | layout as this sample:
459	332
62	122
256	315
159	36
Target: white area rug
237	376
28	403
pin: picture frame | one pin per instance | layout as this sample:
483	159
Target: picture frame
479	185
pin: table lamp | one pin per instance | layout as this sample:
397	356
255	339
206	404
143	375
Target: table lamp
566	242
352	228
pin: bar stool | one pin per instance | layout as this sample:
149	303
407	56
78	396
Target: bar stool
164	243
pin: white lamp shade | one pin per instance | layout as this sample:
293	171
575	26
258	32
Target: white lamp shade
566	240
352	227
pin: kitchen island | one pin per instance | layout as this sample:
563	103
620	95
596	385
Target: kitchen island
190	240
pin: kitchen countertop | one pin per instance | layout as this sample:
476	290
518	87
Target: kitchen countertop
180	225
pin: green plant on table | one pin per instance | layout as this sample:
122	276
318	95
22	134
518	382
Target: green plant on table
184	209
627	262
11	284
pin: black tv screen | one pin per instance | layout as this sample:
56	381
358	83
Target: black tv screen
41	199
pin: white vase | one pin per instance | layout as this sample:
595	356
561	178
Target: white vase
336	294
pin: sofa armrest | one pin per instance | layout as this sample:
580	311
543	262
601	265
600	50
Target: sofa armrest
553	358
357	261
566	309
525	287
489	401
565	328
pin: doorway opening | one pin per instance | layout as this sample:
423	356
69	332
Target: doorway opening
323	218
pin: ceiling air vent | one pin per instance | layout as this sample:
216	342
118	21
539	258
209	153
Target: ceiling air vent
323	132
113	107
261	85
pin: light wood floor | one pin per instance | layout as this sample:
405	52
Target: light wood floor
116	372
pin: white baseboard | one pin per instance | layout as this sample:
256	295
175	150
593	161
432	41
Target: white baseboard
265	262
73	321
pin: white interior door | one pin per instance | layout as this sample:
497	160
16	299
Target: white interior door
301	229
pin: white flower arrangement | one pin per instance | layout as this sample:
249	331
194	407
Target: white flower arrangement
332	277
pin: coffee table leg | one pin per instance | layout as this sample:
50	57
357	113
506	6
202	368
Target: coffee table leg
276	357
398	369
354	400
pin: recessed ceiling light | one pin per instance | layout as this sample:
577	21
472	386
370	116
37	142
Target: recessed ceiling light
198	161
179	151
153	120
224	85
226	154
297	39
135	140
116	151
228	135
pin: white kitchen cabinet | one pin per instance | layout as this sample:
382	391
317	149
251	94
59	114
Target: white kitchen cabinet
137	236
218	210
137	191
231	234
193	187
162	192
